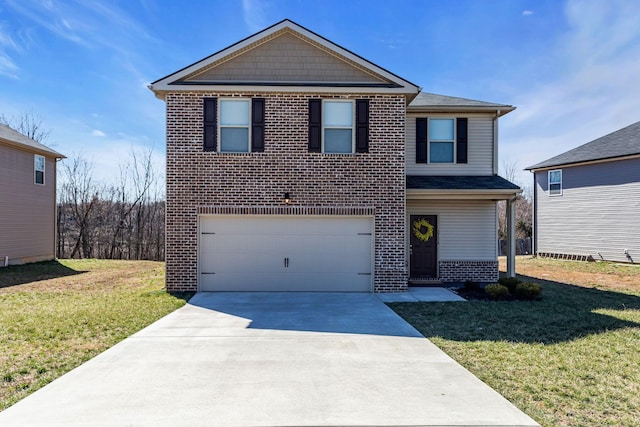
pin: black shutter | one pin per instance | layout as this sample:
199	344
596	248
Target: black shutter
461	140
257	124
210	124
362	125
421	140
315	125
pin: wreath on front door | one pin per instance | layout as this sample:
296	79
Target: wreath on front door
422	224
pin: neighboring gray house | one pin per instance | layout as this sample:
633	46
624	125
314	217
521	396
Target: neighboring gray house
294	164
27	199
587	200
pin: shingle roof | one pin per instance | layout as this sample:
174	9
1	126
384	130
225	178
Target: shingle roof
426	100
621	143
16	138
492	182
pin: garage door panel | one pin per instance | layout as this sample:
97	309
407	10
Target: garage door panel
285	253
254	282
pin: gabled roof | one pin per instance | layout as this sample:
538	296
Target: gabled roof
621	143
339	70
13	137
430	102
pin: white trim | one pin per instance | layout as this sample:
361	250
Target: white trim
36	157
164	84
353	124
220	126
455	130
419	194
555	183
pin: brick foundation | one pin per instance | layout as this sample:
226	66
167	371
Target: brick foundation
461	271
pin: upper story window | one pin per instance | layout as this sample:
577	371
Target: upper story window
337	127
441	141
38	167
234	125
555	182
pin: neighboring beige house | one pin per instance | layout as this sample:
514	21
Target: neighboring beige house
294	164
587	200
27	199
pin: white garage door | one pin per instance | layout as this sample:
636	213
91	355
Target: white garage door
274	253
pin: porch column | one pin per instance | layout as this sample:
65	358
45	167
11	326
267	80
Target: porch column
511	238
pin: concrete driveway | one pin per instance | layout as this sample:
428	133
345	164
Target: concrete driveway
267	359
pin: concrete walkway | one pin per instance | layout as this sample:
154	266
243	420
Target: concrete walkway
422	294
267	359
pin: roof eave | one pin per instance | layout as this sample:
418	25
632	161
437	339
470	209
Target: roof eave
536	168
462	194
500	110
35	150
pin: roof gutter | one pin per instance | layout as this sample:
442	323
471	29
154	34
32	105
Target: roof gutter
481	194
498	110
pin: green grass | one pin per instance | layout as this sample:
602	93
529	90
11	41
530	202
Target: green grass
57	315
572	358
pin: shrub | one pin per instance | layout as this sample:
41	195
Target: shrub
510	283
528	290
496	291
470	285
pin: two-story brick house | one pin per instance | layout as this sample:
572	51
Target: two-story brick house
293	164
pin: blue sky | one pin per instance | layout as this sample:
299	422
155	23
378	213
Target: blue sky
572	68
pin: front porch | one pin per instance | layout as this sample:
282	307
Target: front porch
452	228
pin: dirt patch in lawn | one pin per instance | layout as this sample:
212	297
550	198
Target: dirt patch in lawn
77	275
600	275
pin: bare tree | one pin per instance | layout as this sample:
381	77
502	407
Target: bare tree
79	196
27	124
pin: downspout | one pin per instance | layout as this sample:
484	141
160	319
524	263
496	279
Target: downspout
495	143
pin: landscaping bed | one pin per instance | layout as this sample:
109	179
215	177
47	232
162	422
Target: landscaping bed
570	358
56	315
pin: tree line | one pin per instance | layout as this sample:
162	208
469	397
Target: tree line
122	220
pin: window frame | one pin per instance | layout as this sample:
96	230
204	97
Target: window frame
352	127
220	125
453	141
36	157
549	183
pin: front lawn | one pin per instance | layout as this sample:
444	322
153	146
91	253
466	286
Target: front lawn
56	315
572	358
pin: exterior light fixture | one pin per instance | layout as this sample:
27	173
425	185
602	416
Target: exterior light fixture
287	199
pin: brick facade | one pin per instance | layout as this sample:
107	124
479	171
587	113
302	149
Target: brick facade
201	182
461	271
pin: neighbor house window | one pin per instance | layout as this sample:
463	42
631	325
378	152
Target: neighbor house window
555	182
234	125
337	126
441	140
38	167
